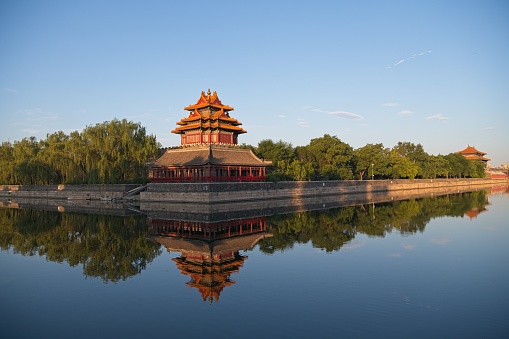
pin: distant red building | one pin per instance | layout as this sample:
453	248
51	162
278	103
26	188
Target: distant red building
209	148
471	153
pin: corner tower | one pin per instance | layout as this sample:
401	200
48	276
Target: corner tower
209	122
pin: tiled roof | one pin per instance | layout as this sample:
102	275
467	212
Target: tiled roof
212	155
208	100
471	150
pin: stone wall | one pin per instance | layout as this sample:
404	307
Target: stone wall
70	192
251	191
237	191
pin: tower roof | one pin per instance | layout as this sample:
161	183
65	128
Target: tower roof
208	100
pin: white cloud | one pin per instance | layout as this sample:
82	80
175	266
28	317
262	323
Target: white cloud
348	115
413	56
405	113
439	117
391	104
281	116
340	114
488	128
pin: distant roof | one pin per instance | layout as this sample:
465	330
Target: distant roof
210	155
471	150
471	153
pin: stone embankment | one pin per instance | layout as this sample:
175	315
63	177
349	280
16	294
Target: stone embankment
251	191
211	193
69	192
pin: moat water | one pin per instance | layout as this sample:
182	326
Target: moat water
417	268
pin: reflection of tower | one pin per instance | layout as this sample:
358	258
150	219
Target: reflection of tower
210	273
209	251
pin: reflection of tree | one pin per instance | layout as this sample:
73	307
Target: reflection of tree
331	229
110	247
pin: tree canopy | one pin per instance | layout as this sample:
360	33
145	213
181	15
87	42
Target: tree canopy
111	152
329	158
116	152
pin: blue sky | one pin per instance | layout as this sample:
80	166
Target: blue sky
428	72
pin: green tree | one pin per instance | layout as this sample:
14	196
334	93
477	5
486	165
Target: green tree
414	153
401	166
371	160
281	153
331	158
458	165
7	163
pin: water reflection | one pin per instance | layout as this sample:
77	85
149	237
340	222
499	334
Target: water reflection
108	247
330	230
114	248
209	252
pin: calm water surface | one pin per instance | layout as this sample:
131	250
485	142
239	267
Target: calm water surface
416	268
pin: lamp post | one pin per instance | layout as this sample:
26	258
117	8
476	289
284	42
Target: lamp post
372	172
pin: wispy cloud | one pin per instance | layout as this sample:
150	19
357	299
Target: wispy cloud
439	117
38	114
302	123
31	131
353	245
488	128
282	116
441	241
405	113
408	247
7	90
35	121
391	104
413	56
340	114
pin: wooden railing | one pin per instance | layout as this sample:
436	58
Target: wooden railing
248	178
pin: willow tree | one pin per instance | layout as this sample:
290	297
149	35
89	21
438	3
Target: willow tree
117	151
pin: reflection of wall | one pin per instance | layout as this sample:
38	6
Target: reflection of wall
206	231
209	252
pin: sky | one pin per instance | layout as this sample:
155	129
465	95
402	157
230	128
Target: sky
434	73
